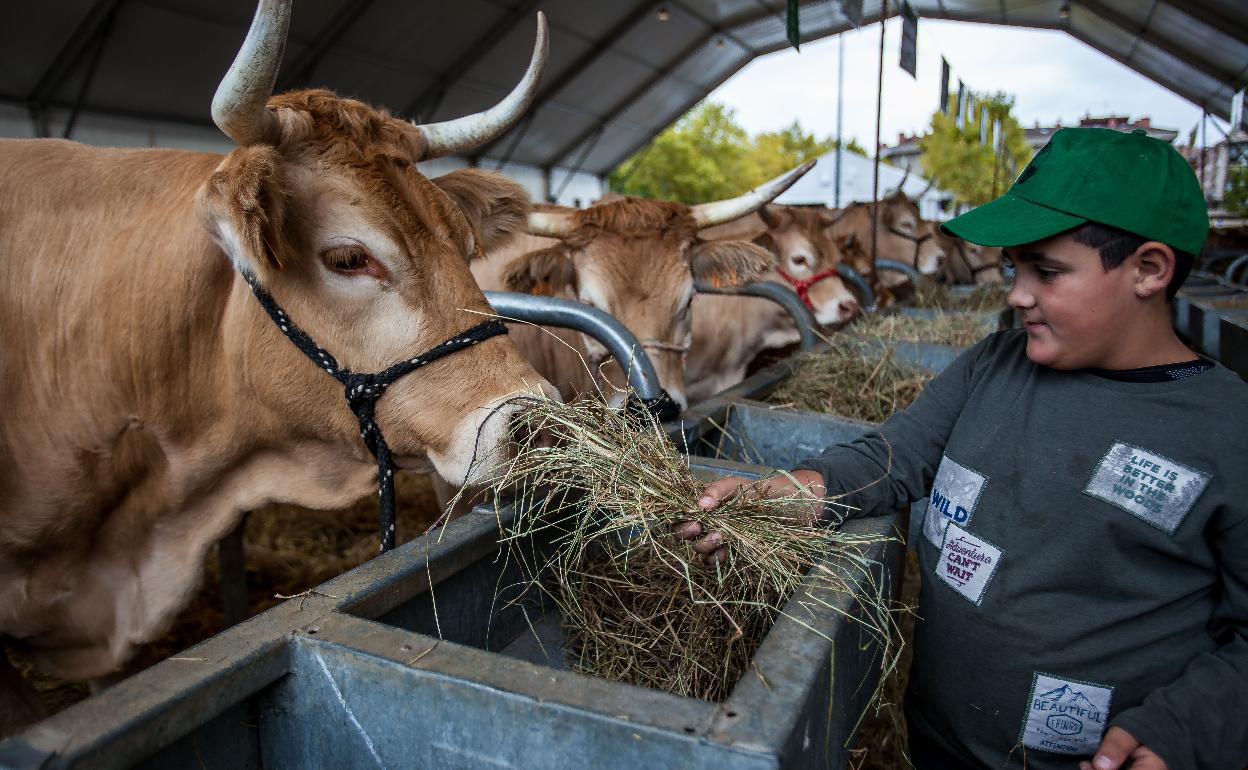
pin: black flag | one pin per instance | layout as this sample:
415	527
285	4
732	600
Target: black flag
944	85
792	28
909	38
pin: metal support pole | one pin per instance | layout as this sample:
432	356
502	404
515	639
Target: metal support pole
232	574
782	296
840	104
1204	117
566	314
879	102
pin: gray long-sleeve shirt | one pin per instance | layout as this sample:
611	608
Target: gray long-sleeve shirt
1084	557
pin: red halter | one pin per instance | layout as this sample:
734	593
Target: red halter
802	287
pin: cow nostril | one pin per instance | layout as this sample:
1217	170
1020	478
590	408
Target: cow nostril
527	434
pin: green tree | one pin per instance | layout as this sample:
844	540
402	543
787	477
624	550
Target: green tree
701	157
707	156
955	160
1236	199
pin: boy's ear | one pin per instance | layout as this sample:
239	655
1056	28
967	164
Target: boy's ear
494	205
545	271
244	207
729	263
1154	265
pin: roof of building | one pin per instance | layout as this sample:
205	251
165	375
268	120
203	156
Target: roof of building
617	76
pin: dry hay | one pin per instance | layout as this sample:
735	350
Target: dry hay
981	299
881	740
956	329
1237	301
638	605
861	382
288	550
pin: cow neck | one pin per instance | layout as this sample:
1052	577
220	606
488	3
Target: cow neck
917	240
362	390
802	286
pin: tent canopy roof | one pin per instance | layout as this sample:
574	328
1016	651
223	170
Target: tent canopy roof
617	74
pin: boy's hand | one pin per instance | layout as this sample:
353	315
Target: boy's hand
1117	747
711	544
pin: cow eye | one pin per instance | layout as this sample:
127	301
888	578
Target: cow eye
347	259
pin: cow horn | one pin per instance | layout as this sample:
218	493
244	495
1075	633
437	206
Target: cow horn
452	136
900	188
552	224
239	107
719	212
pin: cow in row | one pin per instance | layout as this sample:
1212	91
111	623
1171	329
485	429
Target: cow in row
901	234
969	263
635	258
729	332
150	399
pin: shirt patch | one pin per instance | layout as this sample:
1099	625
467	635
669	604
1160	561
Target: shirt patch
1147	485
955	493
1065	716
967	562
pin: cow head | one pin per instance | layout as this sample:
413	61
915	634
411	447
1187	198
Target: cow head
967	262
321	202
906	237
638	259
800	239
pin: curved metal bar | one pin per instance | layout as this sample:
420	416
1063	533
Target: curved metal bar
566	314
863	286
1241	261
782	296
909	271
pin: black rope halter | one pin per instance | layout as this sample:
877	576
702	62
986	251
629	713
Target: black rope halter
363	389
917	240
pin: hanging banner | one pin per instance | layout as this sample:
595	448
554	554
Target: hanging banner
792	25
853	11
998	135
960	108
944	85
983	124
909	38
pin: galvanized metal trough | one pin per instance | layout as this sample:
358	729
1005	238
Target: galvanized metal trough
356	674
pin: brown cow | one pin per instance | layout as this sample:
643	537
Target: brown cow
729	332
902	235
969	263
148	398
636	259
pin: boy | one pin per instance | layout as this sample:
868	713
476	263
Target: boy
1085	550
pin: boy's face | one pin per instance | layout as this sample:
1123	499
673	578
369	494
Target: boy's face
1075	312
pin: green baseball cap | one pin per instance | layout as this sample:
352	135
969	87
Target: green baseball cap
1126	180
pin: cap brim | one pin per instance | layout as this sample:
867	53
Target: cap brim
1010	221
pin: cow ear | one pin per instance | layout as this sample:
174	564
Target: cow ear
244	206
494	205
729	263
546	271
766	242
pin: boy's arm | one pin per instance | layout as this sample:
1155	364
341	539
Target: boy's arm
1201	720
887	469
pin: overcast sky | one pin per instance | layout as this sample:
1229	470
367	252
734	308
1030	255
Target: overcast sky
1052	75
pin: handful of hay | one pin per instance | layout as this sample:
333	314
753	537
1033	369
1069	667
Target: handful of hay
944	329
851	380
937	296
638	605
